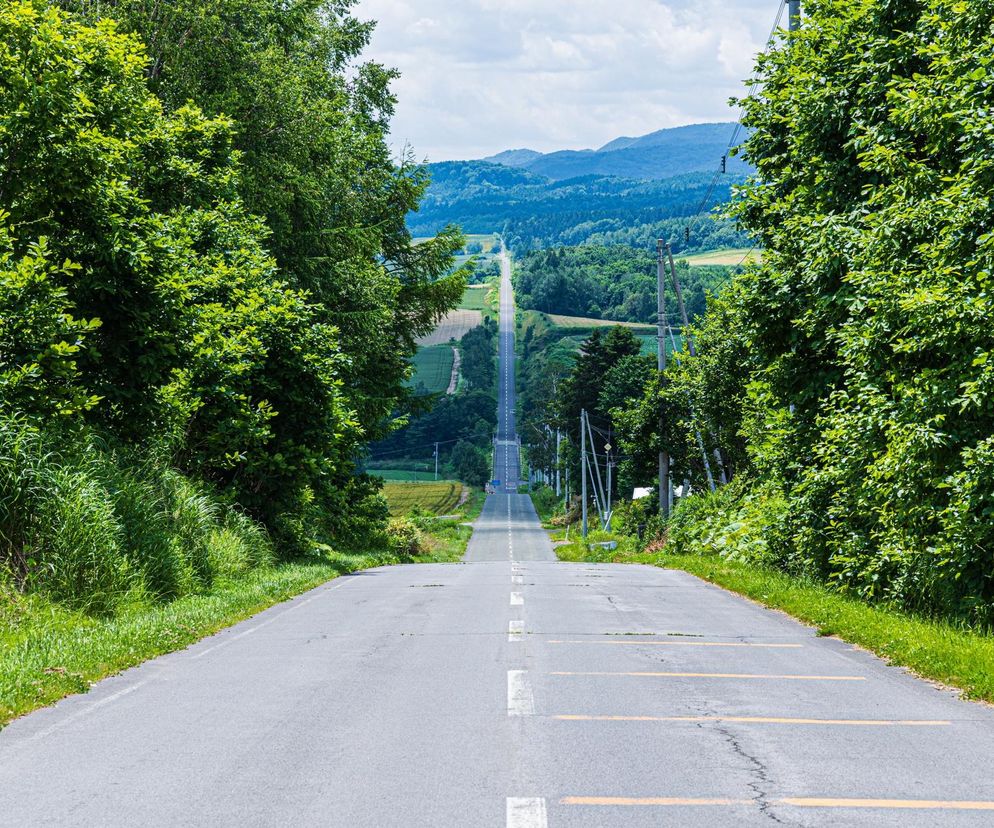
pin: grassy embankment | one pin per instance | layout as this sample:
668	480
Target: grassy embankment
49	650
935	650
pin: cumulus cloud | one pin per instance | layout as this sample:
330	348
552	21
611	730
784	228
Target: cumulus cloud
479	76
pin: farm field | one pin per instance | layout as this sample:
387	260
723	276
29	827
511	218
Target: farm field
452	326
424	473
733	256
441	498
561	321
474	298
433	367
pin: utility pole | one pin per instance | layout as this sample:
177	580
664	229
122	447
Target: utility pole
599	497
793	15
583	469
559	438
436	461
693	352
607	450
664	457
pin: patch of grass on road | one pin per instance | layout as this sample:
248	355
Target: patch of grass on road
546	503
48	651
935	650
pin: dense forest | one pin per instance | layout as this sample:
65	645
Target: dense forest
847	379
208	294
535	212
617	282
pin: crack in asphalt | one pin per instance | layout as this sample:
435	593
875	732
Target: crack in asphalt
757	769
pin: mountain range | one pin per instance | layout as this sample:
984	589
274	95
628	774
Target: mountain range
658	155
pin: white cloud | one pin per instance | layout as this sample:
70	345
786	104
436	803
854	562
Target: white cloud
479	76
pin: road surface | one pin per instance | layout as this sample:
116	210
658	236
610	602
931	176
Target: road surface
510	690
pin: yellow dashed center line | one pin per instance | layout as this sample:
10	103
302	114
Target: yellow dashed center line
718	675
796	801
658	643
759	720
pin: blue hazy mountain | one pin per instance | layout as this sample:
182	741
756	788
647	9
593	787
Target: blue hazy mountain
661	154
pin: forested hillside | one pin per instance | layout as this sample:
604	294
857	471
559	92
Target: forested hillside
616	282
534	212
208	294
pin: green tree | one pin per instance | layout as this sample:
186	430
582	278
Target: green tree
200	345
868	404
471	464
310	123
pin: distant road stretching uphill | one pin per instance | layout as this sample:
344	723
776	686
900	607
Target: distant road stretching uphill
510	690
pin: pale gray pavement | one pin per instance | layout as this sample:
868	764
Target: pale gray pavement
508	690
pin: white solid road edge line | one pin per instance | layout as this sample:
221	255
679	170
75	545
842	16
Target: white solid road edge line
515	628
526	812
520	701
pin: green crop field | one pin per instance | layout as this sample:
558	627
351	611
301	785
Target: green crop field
474	298
433	367
441	498
419	474
561	321
733	256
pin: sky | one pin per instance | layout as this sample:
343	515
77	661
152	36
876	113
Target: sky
481	76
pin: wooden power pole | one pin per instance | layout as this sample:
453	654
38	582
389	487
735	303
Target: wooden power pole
665	495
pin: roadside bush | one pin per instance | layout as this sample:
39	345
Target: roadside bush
739	522
547	502
405	538
84	525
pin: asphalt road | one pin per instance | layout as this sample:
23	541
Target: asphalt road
509	690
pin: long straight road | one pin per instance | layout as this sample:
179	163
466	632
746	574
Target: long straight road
510	690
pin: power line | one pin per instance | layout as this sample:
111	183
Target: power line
732	143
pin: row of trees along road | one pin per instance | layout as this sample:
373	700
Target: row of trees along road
849	377
204	267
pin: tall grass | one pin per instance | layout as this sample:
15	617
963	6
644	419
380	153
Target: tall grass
95	529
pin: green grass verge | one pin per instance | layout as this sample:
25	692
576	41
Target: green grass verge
934	650
546	503
449	537
48	652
